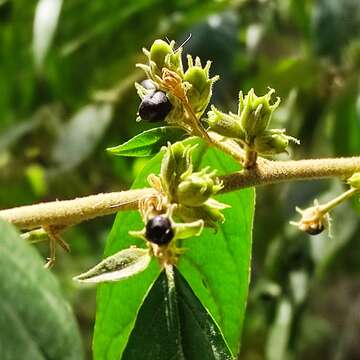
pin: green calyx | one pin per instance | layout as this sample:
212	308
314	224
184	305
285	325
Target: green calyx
255	112
162	55
197	187
225	124
176	161
273	142
209	212
190	191
354	180
200	91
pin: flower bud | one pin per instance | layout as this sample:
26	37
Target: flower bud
198	187
200	91
225	124
354	180
176	161
255	112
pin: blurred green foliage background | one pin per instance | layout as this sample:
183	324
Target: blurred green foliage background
67	70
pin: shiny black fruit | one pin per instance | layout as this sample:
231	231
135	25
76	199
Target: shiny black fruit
159	231
315	230
155	107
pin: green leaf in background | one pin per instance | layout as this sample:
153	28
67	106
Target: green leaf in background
217	265
36	322
148	142
184	329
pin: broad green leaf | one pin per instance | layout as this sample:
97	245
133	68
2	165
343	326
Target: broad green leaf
183	330
118	303
36	322
148	142
217	264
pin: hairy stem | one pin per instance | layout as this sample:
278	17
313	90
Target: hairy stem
271	172
70	212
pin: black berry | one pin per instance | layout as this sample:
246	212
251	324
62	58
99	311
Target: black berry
315	230
159	230
154	107
148	84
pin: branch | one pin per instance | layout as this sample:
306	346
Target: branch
271	172
70	212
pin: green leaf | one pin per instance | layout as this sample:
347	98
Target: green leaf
122	265
217	264
148	142
36	322
184	329
118	303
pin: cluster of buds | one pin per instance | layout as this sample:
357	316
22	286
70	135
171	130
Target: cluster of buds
249	127
186	93
190	190
180	208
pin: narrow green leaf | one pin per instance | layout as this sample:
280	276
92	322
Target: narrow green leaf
217	264
36	322
148	142
184	329
118	303
122	265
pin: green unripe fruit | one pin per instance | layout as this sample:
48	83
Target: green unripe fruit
197	77
175	162
200	91
255	112
225	124
158	52
195	190
271	144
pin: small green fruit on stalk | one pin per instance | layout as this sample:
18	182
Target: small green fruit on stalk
255	112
